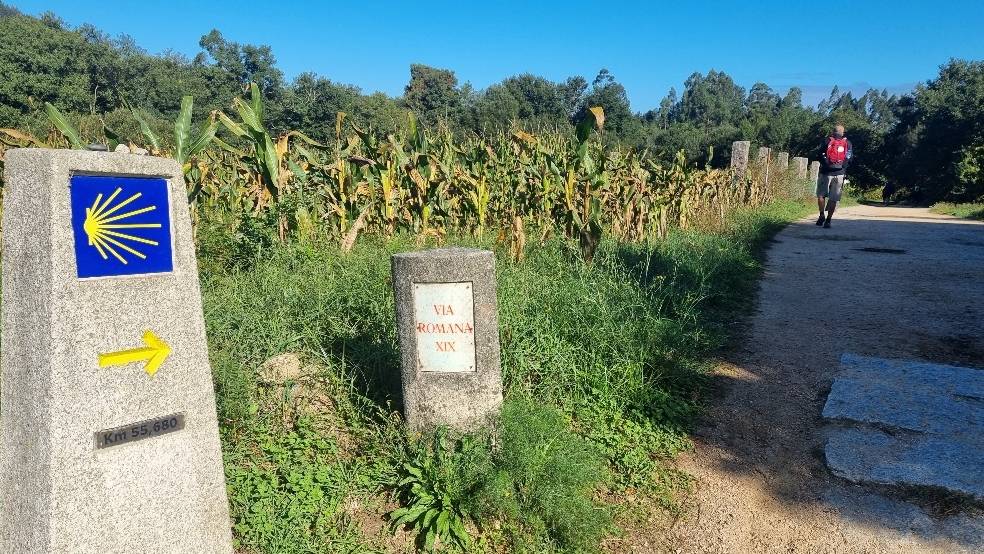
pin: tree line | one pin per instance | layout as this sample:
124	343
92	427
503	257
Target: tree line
929	144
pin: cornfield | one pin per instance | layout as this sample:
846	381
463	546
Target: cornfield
430	182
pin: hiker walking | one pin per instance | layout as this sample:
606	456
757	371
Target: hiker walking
887	191
836	155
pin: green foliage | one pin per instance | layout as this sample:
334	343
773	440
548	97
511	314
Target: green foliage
187	145
546	479
438	480
534	479
944	136
616	377
63	126
968	210
286	494
433	94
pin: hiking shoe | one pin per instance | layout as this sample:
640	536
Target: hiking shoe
826	223
821	220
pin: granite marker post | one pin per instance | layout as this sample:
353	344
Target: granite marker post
782	160
108	435
814	171
739	157
800	165
447	321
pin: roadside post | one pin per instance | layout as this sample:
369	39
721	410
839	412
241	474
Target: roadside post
109	440
448	327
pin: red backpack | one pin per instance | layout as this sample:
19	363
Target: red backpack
837	151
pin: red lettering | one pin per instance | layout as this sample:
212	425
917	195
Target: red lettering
445	346
443	309
445	328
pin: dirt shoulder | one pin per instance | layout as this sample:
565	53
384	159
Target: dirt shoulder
889	282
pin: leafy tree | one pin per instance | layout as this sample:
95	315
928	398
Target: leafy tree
528	99
940	134
572	92
240	64
311	103
40	62
712	100
619	119
8	11
379	113
433	94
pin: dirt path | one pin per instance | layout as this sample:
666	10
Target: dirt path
887	282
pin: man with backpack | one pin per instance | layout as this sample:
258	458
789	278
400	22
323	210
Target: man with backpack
836	155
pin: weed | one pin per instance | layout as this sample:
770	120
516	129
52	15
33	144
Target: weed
439	481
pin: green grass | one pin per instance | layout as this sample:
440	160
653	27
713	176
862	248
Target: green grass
615	355
968	210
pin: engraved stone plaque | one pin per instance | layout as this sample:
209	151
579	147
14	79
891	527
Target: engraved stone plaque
444	323
140	430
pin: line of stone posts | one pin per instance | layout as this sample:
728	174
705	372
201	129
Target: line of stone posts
801	166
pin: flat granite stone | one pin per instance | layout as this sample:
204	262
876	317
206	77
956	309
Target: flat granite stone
908	404
873	456
60	492
907	423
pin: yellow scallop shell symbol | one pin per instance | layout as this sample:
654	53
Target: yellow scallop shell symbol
104	232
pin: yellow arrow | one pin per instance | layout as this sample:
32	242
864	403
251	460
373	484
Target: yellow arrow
155	353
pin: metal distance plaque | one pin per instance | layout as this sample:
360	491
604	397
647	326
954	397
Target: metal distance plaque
140	430
445	326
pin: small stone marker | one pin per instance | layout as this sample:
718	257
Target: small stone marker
782	160
109	441
764	153
814	170
449	336
800	165
739	156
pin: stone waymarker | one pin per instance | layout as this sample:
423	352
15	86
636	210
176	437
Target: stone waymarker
739	156
764	154
782	160
108	435
800	166
814	170
449	336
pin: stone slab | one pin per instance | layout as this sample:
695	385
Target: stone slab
903	422
60	492
873	456
463	398
906	407
947	379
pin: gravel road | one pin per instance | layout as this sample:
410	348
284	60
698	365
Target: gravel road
889	282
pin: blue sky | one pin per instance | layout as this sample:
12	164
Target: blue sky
648	46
